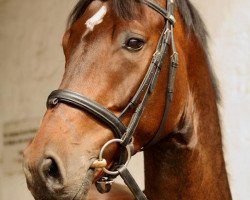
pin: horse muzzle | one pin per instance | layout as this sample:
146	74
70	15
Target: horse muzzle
50	179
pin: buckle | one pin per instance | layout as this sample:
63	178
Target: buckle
175	60
166	37
156	57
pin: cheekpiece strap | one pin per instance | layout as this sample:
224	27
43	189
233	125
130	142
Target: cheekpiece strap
130	182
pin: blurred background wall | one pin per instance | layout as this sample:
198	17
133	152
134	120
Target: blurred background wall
32	63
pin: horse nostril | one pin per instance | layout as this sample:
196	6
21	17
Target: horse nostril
51	173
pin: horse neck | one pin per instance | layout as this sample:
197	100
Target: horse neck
194	169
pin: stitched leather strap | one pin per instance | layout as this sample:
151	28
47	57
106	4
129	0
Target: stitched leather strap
147	85
130	182
83	103
170	82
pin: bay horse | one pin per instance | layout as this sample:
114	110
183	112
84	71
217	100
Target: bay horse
117	98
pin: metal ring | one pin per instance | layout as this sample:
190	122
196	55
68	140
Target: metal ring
102	151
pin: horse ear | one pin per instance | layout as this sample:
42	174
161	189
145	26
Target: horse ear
78	11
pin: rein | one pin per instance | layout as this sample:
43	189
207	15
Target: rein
123	134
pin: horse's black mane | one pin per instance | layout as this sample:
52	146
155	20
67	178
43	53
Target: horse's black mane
190	15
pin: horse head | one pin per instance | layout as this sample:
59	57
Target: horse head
110	48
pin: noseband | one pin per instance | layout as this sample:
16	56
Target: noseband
124	134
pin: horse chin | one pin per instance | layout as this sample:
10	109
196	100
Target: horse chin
84	188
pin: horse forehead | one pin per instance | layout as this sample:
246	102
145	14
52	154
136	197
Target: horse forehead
98	10
96	19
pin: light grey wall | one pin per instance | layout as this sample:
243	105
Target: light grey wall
32	62
228	22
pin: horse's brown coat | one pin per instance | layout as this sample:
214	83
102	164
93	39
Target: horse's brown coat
188	161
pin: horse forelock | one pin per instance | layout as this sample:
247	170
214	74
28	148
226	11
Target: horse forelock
125	9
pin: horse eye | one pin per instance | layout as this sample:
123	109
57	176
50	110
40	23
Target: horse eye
134	44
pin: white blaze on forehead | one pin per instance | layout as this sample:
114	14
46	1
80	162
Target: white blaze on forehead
96	18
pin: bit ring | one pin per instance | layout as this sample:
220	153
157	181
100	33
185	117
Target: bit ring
103	149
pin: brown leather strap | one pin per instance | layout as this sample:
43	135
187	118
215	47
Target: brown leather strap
169	93
130	182
84	103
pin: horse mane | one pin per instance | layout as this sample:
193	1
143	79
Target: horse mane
195	24
192	19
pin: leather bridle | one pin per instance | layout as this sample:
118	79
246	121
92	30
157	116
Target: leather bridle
124	134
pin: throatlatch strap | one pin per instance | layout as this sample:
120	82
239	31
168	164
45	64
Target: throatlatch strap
130	182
